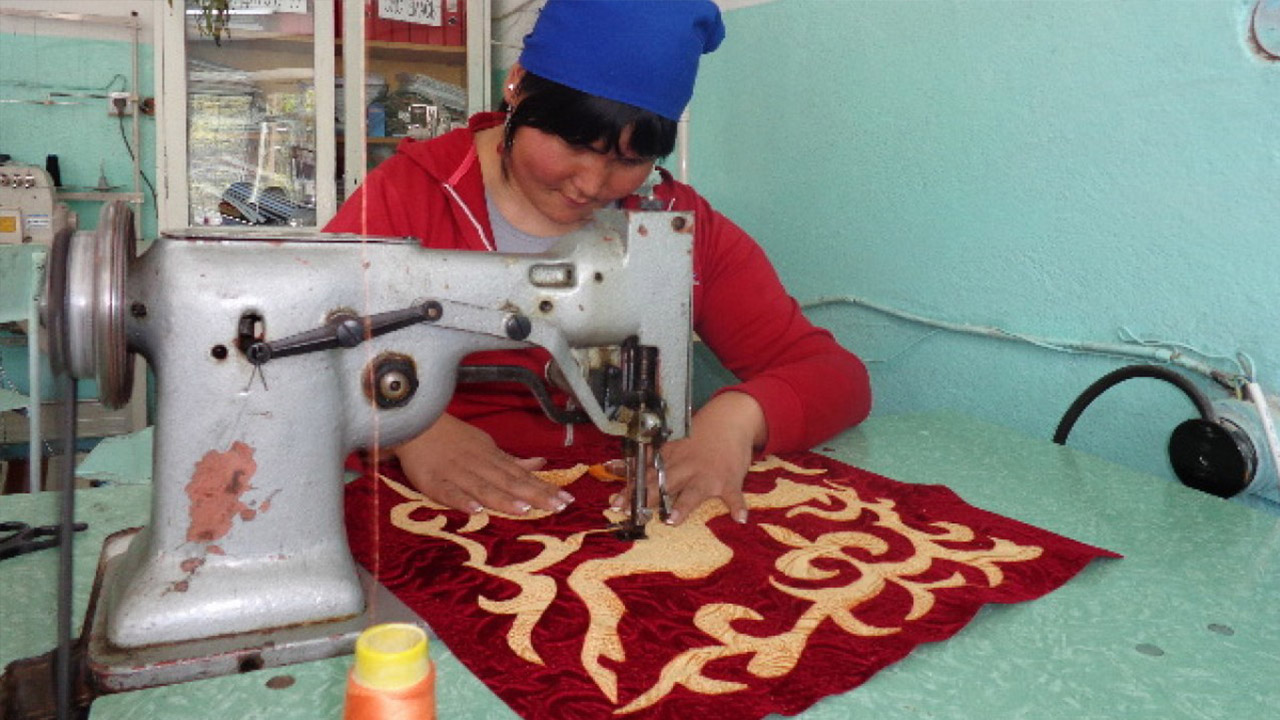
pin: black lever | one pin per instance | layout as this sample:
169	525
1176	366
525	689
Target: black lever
343	331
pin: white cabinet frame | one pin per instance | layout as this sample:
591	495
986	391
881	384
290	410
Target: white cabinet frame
171	91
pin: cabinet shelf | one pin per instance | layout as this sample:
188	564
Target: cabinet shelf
388	48
100	196
279	103
379	140
390	59
381	47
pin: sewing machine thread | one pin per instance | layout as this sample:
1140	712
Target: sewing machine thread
393	677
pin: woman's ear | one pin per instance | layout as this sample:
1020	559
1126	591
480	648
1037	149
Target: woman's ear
510	89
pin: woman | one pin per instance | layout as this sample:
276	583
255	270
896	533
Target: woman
587	110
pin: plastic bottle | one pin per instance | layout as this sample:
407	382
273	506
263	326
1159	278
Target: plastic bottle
393	677
376	119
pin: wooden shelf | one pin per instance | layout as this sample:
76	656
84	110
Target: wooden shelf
388	49
386	140
100	196
381	46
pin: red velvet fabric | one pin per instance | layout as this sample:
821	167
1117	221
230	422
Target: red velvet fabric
839	573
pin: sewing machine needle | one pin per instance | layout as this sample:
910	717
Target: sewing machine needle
664	500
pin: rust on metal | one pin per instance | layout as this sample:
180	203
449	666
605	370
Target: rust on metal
216	492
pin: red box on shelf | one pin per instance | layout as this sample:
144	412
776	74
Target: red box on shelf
375	28
451	31
418	34
455	22
430	34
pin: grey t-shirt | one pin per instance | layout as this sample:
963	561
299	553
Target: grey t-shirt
507	238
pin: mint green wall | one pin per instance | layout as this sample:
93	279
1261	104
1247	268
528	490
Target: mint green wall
1059	168
83	136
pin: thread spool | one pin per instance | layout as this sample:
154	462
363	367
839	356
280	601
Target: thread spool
393	677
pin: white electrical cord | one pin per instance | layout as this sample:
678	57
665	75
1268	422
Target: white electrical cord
1144	351
1170	353
1259	399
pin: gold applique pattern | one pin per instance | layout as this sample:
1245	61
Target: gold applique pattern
805	570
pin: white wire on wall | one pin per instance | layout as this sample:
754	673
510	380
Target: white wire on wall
1143	349
1240	381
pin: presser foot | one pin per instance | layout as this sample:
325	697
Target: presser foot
633	527
627	531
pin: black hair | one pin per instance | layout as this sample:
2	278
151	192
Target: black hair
583	119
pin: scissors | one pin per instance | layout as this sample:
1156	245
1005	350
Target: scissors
22	538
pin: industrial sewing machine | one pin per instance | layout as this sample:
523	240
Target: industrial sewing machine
29	209
276	355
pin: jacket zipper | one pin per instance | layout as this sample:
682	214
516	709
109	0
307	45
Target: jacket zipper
448	186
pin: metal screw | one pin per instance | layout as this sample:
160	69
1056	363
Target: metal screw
517	327
350	332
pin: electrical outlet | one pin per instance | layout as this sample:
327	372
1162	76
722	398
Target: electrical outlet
1242	415
119	103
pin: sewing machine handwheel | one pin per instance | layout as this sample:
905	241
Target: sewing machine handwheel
85	304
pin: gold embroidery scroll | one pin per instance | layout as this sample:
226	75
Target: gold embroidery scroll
712	616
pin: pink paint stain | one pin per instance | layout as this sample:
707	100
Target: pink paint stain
216	492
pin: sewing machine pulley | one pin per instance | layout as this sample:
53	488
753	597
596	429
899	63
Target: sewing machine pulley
85	311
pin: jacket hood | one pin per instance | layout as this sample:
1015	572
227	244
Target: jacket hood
442	160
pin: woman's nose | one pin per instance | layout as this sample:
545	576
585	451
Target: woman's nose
592	176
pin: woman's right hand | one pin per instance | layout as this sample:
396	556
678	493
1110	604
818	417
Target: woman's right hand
459	465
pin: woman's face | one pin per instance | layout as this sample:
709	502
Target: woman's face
566	183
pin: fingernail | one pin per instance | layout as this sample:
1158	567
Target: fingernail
741	516
523	507
673	517
565	498
474	507
615	502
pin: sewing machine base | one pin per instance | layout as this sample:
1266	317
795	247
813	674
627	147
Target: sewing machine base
117	669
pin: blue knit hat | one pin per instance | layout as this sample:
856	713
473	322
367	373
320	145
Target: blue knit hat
640	52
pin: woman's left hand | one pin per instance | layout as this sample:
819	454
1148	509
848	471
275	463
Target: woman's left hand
713	460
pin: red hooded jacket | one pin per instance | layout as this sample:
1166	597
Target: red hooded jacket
809	387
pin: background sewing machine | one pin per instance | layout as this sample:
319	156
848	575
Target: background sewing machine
31	216
275	356
29	209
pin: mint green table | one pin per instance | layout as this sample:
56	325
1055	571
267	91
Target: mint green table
1187	625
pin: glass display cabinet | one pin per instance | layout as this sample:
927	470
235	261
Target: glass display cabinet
290	102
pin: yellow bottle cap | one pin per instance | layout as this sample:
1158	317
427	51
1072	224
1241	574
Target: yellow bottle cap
391	656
